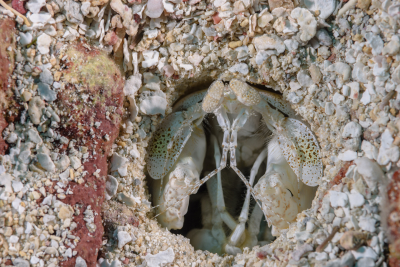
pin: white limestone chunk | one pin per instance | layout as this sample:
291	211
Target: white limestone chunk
342	69
350	56
128	200
360	72
370	171
348	155
63	163
151	81
291	45
35	5
375	41
49	219
19	262
161	258
387	152
321	256
46	162
370	151
133	84
240	67
43	43
153	103
352	129
39	19
354	90
393	47
28	228
294	98
46	93
150	58
33	135
80	262
356	200
17	186
367	223
75	162
195	59
338	199
154	8
118	163
134	152
209	31
329	108
269	41
123	238
304	79
337	98
307	22
364	252
25	38
366	98
111	186
325	7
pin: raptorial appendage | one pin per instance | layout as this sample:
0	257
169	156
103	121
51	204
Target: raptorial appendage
278	203
171	196
177	159
178	186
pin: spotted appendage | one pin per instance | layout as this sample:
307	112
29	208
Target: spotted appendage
301	150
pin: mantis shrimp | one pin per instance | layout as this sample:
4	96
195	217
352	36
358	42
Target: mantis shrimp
177	155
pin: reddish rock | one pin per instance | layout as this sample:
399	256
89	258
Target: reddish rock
332	58
19	6
111	38
216	18
336	180
392	215
342	173
7	102
93	94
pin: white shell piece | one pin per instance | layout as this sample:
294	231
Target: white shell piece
325	7
301	150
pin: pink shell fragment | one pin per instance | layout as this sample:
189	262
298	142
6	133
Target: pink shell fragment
216	18
154	8
168	70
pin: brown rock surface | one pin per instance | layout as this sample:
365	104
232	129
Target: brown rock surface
7	103
91	104
393	219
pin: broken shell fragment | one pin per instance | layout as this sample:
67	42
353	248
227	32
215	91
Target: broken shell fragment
324	7
352	240
36	104
307	22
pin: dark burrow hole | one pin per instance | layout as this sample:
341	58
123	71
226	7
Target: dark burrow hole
234	198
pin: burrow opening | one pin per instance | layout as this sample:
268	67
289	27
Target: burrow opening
198	224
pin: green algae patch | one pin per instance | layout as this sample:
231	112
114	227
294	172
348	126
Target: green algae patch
93	69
